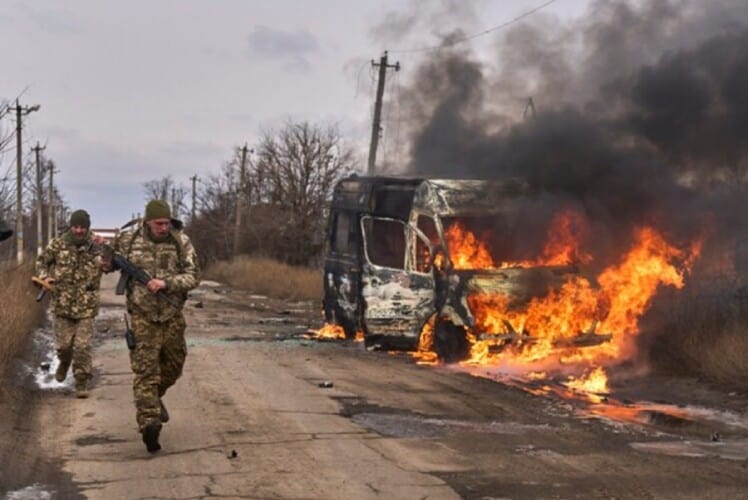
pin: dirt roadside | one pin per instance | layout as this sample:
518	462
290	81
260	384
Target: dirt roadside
255	417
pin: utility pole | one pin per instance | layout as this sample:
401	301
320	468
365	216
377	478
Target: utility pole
21	111
376	126
52	208
240	198
39	236
194	196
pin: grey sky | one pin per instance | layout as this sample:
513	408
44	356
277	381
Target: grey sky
133	91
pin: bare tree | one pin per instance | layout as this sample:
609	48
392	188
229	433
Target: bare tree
284	195
292	180
212	230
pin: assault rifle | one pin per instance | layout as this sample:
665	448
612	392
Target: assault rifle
129	271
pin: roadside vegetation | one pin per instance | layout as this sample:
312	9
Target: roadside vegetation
21	314
708	340
722	357
268	277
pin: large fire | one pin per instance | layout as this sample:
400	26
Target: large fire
614	306
562	247
566	324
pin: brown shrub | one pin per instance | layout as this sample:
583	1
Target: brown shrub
722	357
268	277
706	339
20	312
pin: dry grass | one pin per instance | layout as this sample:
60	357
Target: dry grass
20	313
709	341
269	277
723	357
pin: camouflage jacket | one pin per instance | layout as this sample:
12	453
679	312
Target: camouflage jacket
77	275
173	261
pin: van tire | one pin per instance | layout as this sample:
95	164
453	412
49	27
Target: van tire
450	342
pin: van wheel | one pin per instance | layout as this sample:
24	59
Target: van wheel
450	342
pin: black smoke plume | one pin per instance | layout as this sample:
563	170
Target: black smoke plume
641	113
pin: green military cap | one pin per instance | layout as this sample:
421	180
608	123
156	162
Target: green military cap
157	209
80	218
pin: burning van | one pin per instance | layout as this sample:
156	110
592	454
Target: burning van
403	262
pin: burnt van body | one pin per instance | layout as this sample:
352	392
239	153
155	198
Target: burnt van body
388	269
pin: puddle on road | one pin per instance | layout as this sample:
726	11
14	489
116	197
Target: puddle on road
43	371
399	425
35	492
214	284
730	450
666	415
98	439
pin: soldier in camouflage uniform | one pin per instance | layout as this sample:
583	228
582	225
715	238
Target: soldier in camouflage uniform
72	268
169	258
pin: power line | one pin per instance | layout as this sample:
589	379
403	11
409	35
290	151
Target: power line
358	76
498	27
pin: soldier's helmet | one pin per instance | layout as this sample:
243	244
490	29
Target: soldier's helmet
5	231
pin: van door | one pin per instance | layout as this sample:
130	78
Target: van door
397	286
342	272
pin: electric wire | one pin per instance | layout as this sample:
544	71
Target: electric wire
498	27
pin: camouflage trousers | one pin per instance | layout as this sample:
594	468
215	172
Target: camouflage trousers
73	344
156	361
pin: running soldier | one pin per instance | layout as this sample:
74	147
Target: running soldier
69	265
157	322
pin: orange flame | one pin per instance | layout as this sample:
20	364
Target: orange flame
425	353
566	233
564	237
330	331
595	382
467	251
551	325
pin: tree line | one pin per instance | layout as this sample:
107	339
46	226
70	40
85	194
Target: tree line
268	200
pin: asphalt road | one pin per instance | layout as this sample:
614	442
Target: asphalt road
263	412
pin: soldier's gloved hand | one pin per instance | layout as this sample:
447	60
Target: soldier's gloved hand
156	284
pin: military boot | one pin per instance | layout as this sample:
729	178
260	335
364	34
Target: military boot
62	371
81	389
150	437
164	413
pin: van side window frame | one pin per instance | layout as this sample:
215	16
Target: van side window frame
410	235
